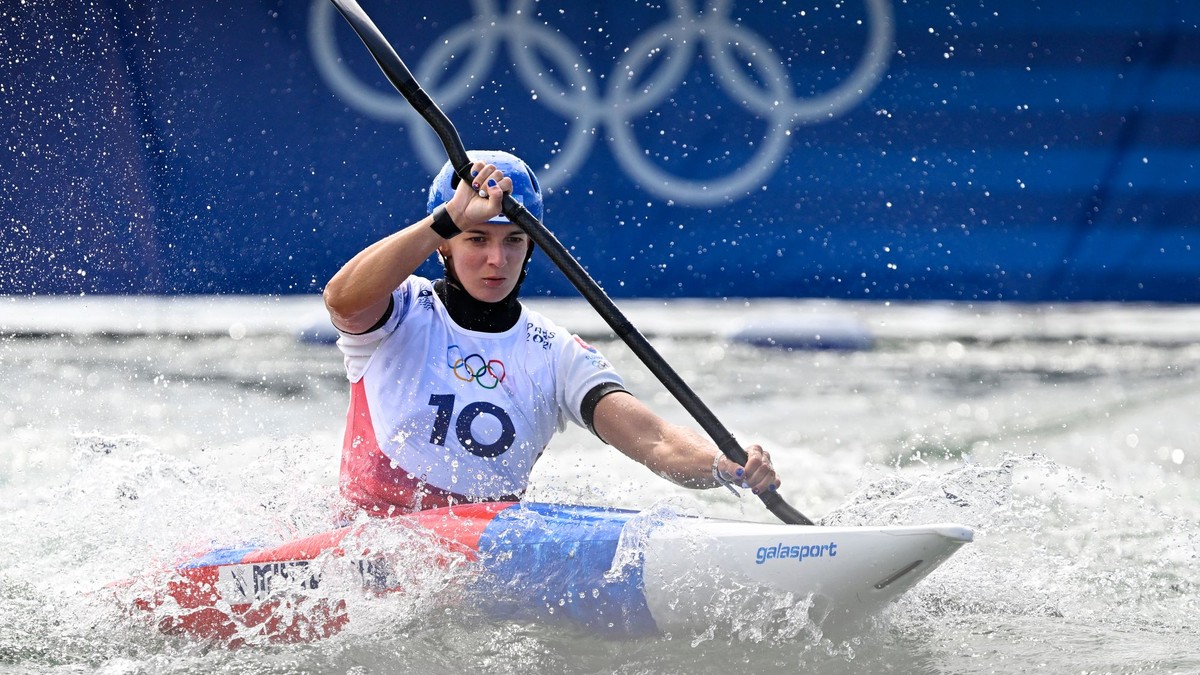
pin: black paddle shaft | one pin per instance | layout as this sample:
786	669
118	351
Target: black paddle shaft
395	70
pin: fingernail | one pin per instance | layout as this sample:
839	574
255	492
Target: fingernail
740	471
475	185
491	183
772	487
474	173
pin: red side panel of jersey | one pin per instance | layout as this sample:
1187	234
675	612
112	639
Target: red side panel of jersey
370	479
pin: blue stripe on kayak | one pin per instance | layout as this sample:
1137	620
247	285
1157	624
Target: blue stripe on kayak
221	556
546	562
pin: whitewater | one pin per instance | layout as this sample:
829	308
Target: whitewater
135	430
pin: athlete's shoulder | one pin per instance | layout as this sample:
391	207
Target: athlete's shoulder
417	286
542	331
415	293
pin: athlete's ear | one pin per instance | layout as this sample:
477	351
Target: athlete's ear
443	253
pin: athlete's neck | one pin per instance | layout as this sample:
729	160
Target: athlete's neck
477	315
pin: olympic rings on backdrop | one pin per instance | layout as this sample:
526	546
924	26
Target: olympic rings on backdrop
647	73
487	373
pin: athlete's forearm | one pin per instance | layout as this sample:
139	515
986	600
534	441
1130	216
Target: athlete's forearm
685	458
679	454
676	453
357	295
689	459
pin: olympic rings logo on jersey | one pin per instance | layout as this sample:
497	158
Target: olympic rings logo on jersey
606	106
487	373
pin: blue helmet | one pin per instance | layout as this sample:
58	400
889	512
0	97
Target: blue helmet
526	189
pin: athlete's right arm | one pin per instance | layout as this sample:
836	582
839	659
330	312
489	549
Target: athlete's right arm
357	296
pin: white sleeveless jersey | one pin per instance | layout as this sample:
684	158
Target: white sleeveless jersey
465	411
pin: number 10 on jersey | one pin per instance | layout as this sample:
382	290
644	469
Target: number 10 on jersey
444	416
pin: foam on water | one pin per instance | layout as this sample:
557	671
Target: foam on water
1057	556
1074	458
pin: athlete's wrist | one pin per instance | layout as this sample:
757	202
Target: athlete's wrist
443	224
721	476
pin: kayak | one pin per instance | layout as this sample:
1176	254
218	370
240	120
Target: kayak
614	572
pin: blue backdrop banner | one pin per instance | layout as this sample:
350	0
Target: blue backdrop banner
992	150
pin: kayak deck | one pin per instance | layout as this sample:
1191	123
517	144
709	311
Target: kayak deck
609	571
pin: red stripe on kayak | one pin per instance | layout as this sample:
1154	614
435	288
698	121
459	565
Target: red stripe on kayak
462	524
301	549
195	589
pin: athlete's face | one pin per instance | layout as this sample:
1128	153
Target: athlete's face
488	258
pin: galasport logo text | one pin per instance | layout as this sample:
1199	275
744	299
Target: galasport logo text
797	553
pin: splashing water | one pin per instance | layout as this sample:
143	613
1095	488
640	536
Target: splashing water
1085	557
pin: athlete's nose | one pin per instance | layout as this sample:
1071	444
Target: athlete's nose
497	256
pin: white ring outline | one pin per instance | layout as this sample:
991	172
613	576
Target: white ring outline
623	99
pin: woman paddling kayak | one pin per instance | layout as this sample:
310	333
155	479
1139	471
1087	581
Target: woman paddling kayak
457	388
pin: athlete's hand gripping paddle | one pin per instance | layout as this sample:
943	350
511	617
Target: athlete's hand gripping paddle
395	70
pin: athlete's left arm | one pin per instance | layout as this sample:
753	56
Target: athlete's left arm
677	453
